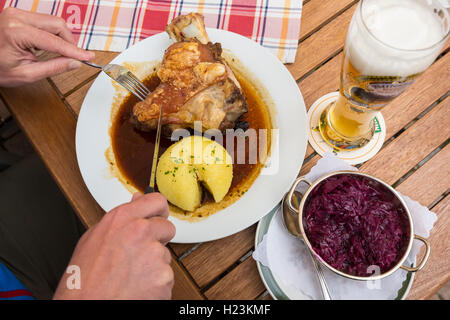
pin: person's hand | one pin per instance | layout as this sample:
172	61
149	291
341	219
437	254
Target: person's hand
124	255
22	34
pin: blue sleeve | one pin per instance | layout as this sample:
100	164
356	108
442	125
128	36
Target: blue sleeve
10	287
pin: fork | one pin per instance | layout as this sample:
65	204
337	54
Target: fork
124	77
129	81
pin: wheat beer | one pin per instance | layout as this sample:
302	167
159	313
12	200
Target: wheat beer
389	44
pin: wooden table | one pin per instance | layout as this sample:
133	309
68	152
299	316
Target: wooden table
414	159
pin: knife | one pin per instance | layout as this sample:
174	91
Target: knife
151	186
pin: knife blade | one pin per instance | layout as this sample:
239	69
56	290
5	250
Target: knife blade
151	186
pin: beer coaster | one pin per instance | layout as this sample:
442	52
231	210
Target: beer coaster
353	156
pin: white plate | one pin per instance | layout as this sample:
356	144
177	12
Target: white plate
92	138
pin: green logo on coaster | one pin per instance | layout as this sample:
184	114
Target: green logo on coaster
377	126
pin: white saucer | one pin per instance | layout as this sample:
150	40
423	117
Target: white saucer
354	156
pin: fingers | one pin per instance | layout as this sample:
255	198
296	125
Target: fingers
25	34
49	23
167	257
154	229
136	196
39	70
49	42
157	251
35	70
144	206
161	229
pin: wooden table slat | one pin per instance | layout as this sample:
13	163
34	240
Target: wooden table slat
243	282
437	270
324	80
181	248
210	259
430	181
184	288
76	98
321	45
317	12
411	146
426	185
68	81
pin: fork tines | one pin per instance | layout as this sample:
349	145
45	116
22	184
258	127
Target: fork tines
132	84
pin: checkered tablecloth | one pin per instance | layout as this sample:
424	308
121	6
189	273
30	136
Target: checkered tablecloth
114	25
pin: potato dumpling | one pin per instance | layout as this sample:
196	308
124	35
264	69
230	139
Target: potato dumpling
189	162
178	184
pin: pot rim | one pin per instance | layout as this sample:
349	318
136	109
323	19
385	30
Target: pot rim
399	264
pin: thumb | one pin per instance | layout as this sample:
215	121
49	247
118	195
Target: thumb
136	196
35	71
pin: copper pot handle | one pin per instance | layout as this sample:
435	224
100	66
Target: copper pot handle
424	259
291	192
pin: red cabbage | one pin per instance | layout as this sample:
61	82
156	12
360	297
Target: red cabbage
353	222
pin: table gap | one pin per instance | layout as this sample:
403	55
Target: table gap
333	55
262	295
420	164
81	84
321	44
53	85
245	256
312	155
9	127
430	182
224	273
189	251
438	200
188	275
62	98
428	109
324	23
409	124
67	104
443	53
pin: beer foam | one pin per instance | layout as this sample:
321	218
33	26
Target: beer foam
402	37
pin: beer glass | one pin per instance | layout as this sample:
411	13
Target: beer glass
389	44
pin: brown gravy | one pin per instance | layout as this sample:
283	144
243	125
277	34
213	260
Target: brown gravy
133	149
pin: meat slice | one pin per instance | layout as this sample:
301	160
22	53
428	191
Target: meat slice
196	83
